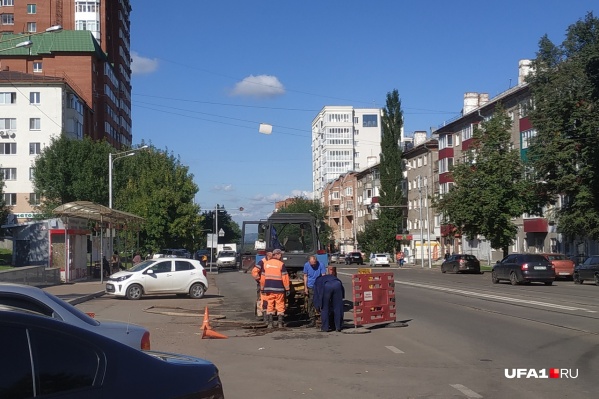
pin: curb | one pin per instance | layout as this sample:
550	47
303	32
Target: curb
85	298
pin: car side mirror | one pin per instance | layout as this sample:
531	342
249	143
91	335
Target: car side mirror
149	271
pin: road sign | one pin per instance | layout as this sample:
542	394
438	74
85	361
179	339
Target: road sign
211	240
221	233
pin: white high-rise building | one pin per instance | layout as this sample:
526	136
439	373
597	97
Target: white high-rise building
344	139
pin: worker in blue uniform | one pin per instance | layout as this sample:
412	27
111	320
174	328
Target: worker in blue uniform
328	295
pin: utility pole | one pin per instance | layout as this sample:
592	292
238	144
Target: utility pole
421	222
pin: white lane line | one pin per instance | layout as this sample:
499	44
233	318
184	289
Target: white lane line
490	296
497	297
465	390
394	349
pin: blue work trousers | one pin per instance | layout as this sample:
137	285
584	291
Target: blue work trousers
332	298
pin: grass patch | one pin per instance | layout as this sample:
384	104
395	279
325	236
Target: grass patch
5	259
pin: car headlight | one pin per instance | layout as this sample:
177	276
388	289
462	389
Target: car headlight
122	278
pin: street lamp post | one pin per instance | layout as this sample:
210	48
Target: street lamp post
111	159
421	222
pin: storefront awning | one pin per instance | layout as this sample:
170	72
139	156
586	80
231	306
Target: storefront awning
538	225
92	211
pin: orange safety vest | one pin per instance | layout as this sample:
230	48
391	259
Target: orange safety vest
274	277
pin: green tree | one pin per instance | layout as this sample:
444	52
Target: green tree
381	233
71	170
565	151
301	204
225	222
490	187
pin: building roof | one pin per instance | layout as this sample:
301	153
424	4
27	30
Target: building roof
92	211
51	42
15	77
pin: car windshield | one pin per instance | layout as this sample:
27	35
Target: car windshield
140	266
557	257
469	257
534	258
591	260
73	310
226	254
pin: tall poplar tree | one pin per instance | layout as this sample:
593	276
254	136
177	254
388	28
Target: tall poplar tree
379	235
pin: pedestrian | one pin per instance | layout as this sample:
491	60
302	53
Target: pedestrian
446	255
328	295
399	257
258	273
312	270
275	287
105	266
136	259
115	262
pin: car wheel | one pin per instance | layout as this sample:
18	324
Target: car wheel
596	279
443	270
548	282
494	278
455	269
197	291
134	291
514	278
577	279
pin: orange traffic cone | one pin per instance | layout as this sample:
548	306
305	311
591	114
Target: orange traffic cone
206	323
207	331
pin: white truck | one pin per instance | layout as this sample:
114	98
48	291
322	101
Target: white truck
226	247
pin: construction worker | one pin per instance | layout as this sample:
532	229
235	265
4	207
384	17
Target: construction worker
257	273
328	295
312	270
275	286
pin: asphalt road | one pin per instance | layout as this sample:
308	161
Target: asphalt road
463	333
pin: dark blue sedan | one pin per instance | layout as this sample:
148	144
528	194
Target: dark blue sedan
43	357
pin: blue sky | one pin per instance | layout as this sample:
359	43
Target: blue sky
207	73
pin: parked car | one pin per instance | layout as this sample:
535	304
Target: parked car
160	276
458	263
171	253
588	270
201	252
335	258
382	259
564	267
354	257
226	259
42	302
523	268
42	357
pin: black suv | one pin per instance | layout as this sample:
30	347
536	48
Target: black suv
354	257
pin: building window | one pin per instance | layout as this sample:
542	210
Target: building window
445	165
8	19
34	97
31	27
369	121
86	6
9	173
34	199
526	136
349	191
8	98
37	66
34	123
8	123
35	148
466	132
31	9
8	2
335	195
10	198
8	148
31	174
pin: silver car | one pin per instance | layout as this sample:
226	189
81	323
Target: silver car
226	259
39	301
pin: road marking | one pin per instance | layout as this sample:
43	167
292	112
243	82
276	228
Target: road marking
394	349
466	391
491	296
497	297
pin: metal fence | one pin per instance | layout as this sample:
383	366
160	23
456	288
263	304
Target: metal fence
31	275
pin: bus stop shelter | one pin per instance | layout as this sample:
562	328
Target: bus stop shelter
72	213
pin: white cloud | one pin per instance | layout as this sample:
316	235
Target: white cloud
224	187
259	86
142	65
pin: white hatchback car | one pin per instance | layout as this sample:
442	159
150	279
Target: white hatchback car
160	276
226	259
36	300
380	259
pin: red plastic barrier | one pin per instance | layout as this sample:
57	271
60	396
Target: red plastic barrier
374	298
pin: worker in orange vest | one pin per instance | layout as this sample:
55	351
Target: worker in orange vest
257	273
275	286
